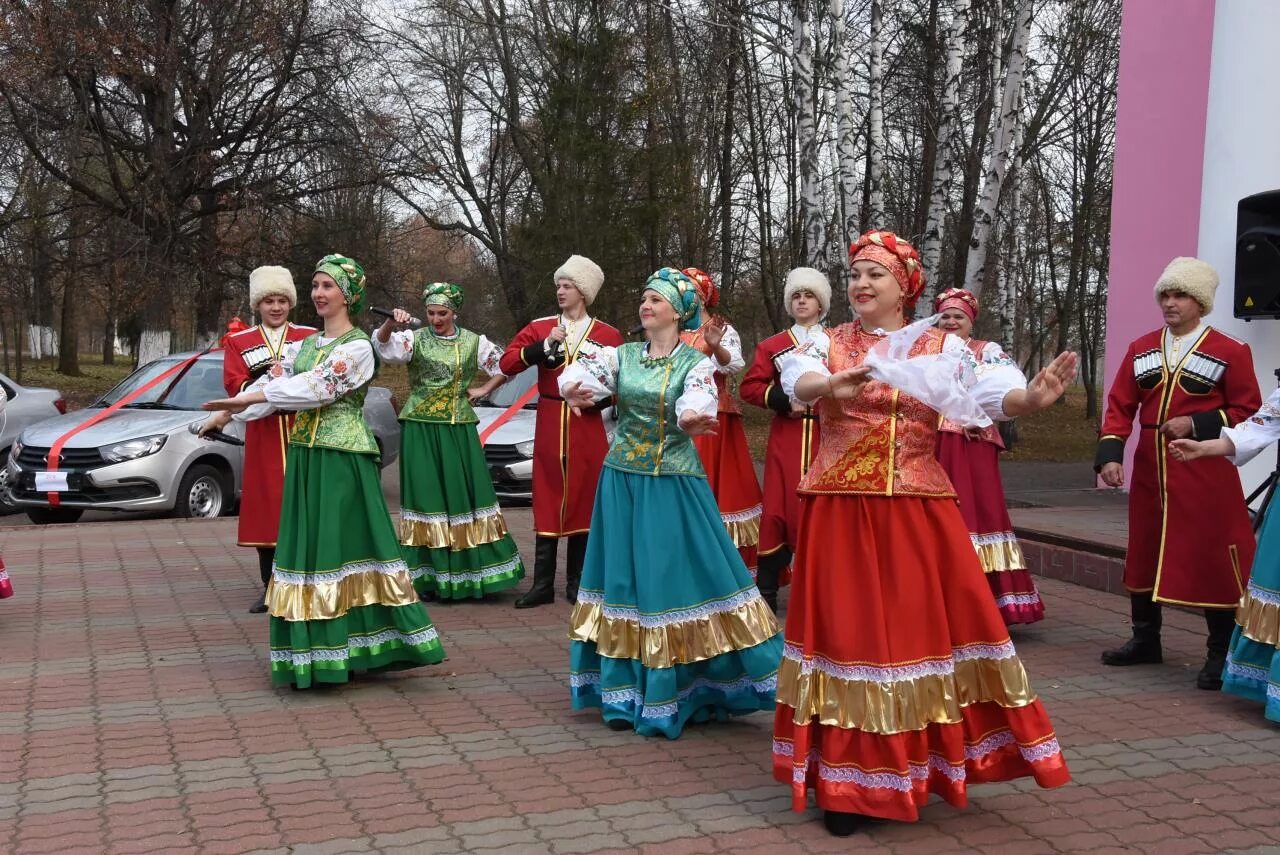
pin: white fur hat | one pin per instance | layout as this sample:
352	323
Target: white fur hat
271	281
582	272
807	279
1193	277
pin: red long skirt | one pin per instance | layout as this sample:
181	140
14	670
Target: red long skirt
974	468
6	587
898	678
732	476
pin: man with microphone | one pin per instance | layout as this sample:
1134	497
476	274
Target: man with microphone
568	451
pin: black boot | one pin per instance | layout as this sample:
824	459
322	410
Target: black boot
767	572
842	824
573	562
1221	624
1144	647
544	574
266	560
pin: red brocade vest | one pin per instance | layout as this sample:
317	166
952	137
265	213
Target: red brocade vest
881	442
726	402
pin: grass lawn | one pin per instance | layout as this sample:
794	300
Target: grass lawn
79	392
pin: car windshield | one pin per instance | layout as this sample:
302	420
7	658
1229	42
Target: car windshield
184	390
508	392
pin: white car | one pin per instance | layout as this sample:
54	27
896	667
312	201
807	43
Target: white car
26	405
509	451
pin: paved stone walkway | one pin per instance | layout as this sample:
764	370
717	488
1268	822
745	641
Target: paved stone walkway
136	716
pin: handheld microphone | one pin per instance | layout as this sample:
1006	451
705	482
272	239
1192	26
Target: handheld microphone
413	323
217	435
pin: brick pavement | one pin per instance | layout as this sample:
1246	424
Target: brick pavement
136	716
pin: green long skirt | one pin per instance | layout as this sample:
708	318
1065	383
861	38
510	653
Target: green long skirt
341	598
452	533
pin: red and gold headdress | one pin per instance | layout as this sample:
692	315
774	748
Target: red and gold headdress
708	292
895	255
957	298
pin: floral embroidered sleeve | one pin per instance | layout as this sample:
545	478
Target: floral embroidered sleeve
808	358
347	367
285	369
396	350
490	356
731	342
595	369
997	375
1256	432
699	394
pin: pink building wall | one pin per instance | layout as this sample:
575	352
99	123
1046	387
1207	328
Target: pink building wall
1166	48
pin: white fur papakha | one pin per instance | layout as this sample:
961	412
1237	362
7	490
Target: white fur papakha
1193	277
584	273
271	281
811	280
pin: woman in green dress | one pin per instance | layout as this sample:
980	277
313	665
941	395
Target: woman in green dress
340	598
452	532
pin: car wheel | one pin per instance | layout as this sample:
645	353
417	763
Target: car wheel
53	516
202	493
6	501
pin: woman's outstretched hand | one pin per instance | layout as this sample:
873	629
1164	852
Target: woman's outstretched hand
578	398
698	424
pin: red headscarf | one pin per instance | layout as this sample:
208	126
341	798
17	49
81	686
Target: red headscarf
957	298
895	255
708	293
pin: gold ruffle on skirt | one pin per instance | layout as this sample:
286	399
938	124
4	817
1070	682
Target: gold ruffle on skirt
326	600
439	535
678	643
1001	557
905	705
1259	621
744	532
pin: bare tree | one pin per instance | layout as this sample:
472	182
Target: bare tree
944	165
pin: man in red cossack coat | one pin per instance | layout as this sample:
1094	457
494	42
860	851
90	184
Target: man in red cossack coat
793	433
568	450
248	354
1190	540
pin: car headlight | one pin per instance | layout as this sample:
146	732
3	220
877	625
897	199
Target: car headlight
134	448
525	449
15	449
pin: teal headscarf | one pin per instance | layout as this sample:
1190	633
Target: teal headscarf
349	275
679	290
443	294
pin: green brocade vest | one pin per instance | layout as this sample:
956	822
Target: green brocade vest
439	373
339	425
647	440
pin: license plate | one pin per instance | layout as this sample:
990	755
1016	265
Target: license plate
52	482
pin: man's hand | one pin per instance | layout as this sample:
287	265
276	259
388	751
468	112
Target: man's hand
215	422
1112	475
556	335
797	410
1178	427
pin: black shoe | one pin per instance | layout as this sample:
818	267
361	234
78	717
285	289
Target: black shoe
259	607
618	724
536	597
768	572
573	561
841	824
1221	623
1134	652
1210	676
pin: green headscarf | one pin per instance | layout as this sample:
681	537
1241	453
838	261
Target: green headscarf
349	275
443	294
679	290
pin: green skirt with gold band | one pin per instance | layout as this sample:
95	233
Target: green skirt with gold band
341	598
452	533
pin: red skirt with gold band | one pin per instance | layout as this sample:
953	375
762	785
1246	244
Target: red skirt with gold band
732	476
973	465
898	677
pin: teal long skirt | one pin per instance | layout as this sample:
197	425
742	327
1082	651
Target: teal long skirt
1253	661
341	598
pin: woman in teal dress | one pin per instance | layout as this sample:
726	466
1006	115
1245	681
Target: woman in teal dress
452	531
1253	660
668	627
340	597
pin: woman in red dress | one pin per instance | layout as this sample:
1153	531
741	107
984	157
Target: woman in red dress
725	455
898	678
971	458
793	433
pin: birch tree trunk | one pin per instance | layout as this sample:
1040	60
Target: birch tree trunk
1006	294
944	165
875	135
846	132
807	137
1001	151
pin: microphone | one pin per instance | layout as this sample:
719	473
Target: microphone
413	324
217	435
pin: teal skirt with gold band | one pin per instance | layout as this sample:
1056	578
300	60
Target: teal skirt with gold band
341	598
452	533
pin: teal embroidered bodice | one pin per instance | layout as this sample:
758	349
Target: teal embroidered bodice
339	425
647	440
439	373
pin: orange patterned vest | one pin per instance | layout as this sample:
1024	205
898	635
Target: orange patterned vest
882	442
726	403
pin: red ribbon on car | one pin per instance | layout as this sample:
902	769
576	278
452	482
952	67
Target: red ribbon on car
55	452
508	413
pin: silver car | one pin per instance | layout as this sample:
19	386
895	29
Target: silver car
144	456
26	405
